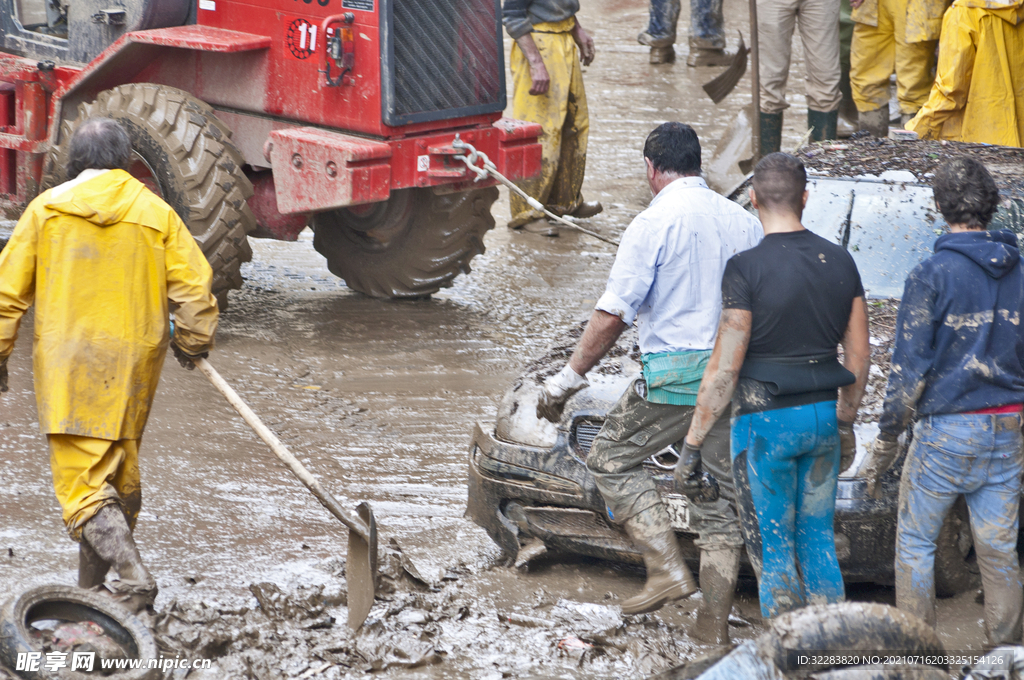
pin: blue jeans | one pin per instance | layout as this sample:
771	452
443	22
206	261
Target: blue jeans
786	467
706	22
980	457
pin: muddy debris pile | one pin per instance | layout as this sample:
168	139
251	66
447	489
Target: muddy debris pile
882	325
421	618
872	156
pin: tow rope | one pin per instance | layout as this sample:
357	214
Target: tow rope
488	169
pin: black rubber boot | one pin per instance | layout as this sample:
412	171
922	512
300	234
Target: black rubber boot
822	124
92	569
875	121
668	578
771	133
719	570
107	533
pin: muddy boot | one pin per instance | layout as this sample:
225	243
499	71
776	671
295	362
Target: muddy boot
540	226
588	209
668	578
876	121
646	38
92	569
719	570
822	124
663	55
709	57
771	133
107	533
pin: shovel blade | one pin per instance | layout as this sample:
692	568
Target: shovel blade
719	88
361	568
725	171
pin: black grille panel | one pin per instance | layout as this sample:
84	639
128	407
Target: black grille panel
443	59
586	431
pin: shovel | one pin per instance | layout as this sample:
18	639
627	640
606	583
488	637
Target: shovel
719	88
737	152
361	566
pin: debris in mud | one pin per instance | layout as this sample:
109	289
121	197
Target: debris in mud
872	156
882	325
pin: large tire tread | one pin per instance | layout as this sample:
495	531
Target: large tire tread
199	169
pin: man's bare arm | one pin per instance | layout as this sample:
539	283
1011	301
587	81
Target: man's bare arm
538	72
599	337
722	373
856	359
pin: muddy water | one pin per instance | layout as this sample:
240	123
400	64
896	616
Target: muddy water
378	400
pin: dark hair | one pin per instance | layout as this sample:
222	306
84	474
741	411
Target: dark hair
673	147
99	143
965	192
779	183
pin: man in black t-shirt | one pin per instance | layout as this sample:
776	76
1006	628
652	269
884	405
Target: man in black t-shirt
786	306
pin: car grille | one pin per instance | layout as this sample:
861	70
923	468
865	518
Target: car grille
585	433
442	59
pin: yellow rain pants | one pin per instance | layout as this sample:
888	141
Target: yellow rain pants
978	95
562	113
101	258
90	473
894	35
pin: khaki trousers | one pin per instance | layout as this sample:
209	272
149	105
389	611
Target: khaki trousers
818	21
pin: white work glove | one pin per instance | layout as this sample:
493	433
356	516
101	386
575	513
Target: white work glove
556	391
881	455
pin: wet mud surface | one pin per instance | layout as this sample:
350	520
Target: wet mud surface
378	400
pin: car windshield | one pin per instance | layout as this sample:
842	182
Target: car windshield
888	225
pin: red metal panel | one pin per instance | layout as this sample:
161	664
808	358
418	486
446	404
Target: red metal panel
317	170
269	220
203	39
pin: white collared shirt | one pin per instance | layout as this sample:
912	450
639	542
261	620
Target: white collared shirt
668	270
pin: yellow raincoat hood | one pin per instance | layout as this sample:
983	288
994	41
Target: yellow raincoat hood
105	261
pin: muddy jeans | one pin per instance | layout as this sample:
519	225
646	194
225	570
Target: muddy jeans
786	464
634	430
706	22
980	457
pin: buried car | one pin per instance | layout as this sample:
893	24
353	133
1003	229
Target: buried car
529	486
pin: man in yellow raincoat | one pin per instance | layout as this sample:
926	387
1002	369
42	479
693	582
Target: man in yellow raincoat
548	90
978	94
101	256
892	36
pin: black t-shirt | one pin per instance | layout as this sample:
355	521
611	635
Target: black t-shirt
799	289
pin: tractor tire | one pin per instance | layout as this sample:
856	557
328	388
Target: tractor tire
409	246
65	603
953	550
194	165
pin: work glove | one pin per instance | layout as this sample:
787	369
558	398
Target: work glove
187	360
882	453
847	445
3	374
556	391
690	478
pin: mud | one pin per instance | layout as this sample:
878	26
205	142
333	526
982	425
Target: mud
378	400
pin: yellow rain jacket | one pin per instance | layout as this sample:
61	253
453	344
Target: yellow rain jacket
922	21
978	94
100	256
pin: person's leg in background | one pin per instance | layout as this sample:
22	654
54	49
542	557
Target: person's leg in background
660	35
707	34
819	31
872	61
995	510
719	538
915	65
847	124
818	473
776	20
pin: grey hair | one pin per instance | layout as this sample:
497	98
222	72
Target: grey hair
99	143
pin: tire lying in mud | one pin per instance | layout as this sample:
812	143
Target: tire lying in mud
953	549
409	246
65	603
185	155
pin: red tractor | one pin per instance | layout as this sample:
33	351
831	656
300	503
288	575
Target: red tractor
260	117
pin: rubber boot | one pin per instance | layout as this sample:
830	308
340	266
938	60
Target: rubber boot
876	121
771	133
710	57
668	578
92	569
107	533
822	124
719	570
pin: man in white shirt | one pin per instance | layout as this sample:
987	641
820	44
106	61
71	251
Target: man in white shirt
667	276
